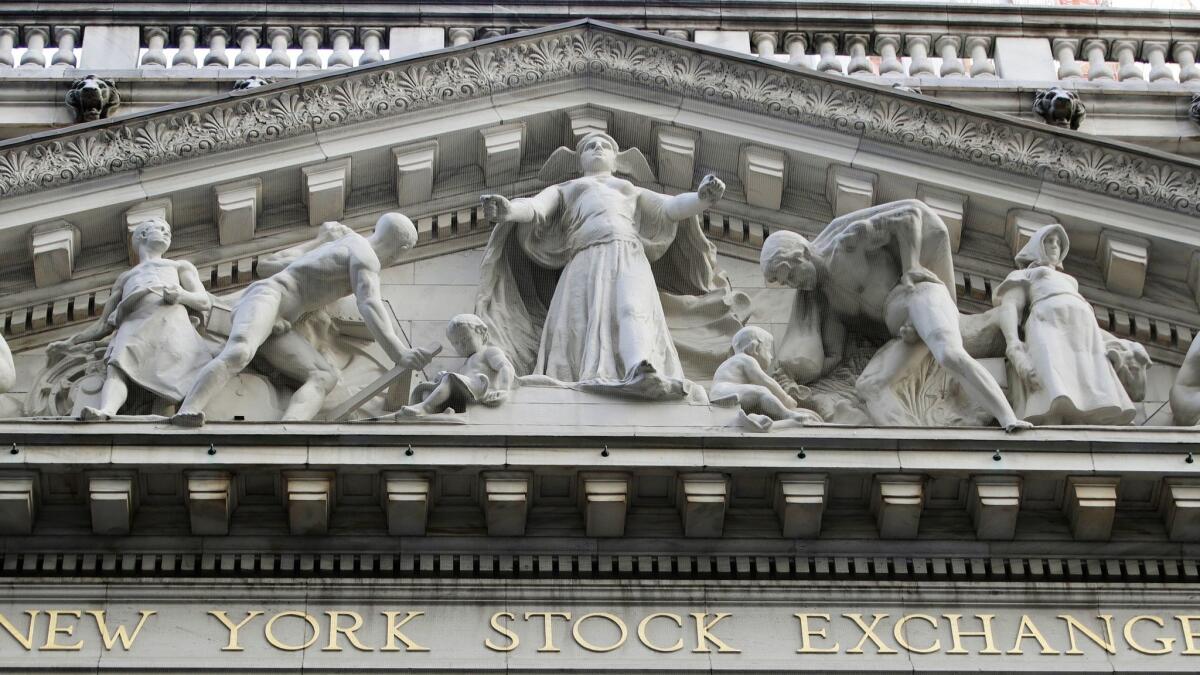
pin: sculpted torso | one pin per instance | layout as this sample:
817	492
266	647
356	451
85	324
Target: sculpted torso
321	275
859	283
599	207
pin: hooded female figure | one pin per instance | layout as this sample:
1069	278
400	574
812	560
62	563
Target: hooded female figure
1063	367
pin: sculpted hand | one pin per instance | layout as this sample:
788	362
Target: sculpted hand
1018	356
496	208
711	189
58	349
415	359
917	275
281	326
331	230
494	397
170	295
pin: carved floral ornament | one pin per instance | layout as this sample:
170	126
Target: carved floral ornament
595	50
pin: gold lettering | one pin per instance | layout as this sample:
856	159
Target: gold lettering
27	639
53	630
576	631
269	631
898	633
548	628
233	628
806	632
869	633
394	633
335	629
703	636
956	634
1027	630
512	637
121	633
1073	624
1165	642
1189	633
646	640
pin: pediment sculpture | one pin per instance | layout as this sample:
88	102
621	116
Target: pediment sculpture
486	378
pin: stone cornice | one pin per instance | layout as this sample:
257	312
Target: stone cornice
591	49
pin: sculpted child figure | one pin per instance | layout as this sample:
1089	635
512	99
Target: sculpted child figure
744	376
485	378
303	279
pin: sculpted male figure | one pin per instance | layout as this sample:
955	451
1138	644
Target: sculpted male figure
889	268
305	278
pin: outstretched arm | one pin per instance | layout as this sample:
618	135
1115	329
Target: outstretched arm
753	374
690	204
102	327
907	223
540	207
365	281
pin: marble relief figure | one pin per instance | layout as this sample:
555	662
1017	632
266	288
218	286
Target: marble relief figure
1064	366
303	279
744	379
485	379
578	280
885	271
152	317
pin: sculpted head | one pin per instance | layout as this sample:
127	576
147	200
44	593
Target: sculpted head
597	153
755	342
152	235
394	234
787	259
467	333
1047	246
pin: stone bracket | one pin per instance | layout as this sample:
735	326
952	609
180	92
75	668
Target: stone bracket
500	153
406	501
1123	260
850	189
1090	503
238	206
54	247
416	167
951	206
763	172
588	120
137	214
800	502
675	152
112	499
1180	506
604	501
505	498
20	493
702	499
211	500
326	187
896	502
993	503
308	497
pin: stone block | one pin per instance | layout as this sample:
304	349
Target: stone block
951	206
238	206
1024	58
110	47
1090	503
308	497
412	40
500	153
416	166
850	189
18	503
800	502
604	501
733	40
138	213
993	504
1180	506
505	498
211	500
587	120
702	499
896	502
675	151
406	503
54	247
112	501
1123	259
326	187
763	172
1020	226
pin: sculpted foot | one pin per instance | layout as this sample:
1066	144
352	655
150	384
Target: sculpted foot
188	419
90	414
410	411
1016	425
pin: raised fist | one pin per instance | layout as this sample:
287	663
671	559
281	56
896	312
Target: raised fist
495	208
711	189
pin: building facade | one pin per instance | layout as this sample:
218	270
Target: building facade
234	444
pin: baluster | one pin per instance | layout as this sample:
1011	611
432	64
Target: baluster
677	33
279	37
982	67
310	44
1156	56
1097	68
35	44
827	48
155	38
952	66
796	45
185	56
1127	69
1185	56
65	37
485	33
461	36
887	46
764	42
918	53
218	41
1068	66
370	38
248	38
340	57
8	36
859	64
